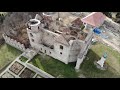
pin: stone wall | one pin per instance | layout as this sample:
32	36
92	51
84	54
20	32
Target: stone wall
56	53
74	50
14	43
85	47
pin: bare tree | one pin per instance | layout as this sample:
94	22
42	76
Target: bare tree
15	25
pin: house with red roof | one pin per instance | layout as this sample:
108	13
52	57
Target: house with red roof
94	19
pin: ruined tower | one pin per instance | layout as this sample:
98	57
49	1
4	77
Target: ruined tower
33	27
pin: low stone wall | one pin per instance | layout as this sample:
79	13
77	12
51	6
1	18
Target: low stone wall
14	43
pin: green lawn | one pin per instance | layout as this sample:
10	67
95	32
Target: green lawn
112	61
23	59
7	54
54	67
88	69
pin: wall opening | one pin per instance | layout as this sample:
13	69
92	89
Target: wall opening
28	27
32	40
31	34
61	53
61	47
45	51
52	47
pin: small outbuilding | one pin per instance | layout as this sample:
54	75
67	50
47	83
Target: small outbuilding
95	19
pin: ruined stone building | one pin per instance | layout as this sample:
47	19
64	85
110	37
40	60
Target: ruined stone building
64	38
61	35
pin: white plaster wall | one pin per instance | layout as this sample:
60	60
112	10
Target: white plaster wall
65	52
50	40
86	44
69	53
55	53
74	50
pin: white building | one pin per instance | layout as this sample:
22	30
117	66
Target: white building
62	36
65	42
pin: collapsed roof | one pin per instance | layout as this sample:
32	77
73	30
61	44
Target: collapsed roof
69	31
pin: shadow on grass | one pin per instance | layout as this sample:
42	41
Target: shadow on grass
59	69
55	67
91	71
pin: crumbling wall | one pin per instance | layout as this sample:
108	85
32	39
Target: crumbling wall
85	47
14	43
74	50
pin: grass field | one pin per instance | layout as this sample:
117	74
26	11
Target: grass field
23	59
88	69
54	67
7	54
113	59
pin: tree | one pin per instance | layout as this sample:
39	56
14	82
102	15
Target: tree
14	25
108	14
118	15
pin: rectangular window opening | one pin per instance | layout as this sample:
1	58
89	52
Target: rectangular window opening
61	47
45	51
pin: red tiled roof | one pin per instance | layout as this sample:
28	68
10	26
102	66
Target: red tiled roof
94	19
